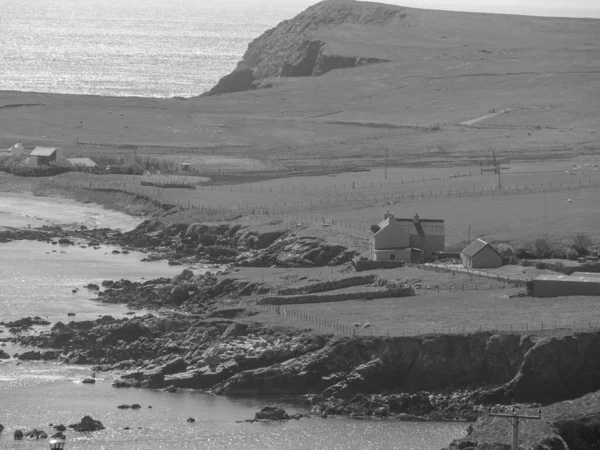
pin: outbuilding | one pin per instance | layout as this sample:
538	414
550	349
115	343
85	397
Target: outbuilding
565	285
480	255
44	156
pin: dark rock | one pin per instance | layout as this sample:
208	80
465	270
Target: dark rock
65	241
87	424
135	406
4	355
18	435
190	420
59	435
123	406
71	314
36	434
89	381
271	413
1	428
60	427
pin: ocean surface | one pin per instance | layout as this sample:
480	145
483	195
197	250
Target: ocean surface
38	278
150	48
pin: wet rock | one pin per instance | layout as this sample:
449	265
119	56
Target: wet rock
89	381
123	406
36	434
271	413
60	427
65	241
135	406
87	424
93	287
190	420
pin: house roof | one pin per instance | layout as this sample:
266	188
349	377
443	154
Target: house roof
476	246
85	162
43	151
431	227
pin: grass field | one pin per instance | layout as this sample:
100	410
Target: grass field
468	311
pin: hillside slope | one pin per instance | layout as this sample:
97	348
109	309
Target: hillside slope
332	35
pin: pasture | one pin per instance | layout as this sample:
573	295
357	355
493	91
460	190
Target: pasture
444	313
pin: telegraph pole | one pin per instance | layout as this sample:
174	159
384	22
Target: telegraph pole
497	169
386	162
514	420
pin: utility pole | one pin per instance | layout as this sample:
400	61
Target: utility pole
386	162
469	239
514	420
497	170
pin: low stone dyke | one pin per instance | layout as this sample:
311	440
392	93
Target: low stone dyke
359	266
405	291
325	286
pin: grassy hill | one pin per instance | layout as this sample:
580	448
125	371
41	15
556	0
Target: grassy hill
454	84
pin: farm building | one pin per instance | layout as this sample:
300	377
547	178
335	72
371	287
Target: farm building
564	285
82	163
410	240
44	156
480	255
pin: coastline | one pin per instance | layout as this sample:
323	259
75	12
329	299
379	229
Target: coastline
224	343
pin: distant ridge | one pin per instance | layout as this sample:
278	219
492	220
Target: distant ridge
340	34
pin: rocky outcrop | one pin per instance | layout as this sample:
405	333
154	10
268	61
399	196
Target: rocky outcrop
291	48
570	425
271	413
227	243
87	424
4	355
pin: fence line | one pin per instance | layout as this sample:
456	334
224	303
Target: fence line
303	211
355	330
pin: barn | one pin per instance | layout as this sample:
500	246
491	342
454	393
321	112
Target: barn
43	156
480	255
565	285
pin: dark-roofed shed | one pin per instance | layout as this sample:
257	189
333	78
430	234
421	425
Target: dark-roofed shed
481	255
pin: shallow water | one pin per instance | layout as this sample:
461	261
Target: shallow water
37	279
21	210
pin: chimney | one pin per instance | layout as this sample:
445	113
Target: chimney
387	215
416	219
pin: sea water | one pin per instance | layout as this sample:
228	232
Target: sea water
150	48
38	279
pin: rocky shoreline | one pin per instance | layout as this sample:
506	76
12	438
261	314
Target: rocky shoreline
205	339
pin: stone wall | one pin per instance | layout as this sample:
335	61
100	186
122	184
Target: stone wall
405	291
332	285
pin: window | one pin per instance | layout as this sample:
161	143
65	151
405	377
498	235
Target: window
392	257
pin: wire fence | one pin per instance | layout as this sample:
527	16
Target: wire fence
301	210
298	317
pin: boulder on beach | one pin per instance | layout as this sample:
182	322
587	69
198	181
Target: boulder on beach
190	420
87	424
89	381
60	427
271	413
36	434
59	435
1	428
4	355
18	435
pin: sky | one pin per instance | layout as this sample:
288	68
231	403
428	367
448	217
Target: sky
561	8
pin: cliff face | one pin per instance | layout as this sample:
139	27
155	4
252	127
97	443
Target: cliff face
527	368
292	50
